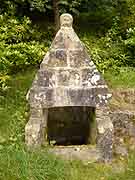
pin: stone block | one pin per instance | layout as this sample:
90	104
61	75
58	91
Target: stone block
59	94
34	134
58	42
57	58
91	77
68	77
46	78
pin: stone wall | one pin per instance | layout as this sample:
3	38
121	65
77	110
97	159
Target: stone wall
124	131
126	95
116	132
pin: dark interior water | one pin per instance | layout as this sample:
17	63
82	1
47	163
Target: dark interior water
69	125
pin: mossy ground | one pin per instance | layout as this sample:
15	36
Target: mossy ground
17	163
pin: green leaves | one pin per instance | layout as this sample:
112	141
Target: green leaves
41	5
69	6
63	2
3	81
19	46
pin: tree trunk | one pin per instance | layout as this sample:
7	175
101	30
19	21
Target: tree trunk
56	14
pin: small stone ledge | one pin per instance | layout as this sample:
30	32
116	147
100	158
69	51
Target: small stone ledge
85	153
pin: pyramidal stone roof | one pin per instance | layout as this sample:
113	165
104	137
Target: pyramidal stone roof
67	75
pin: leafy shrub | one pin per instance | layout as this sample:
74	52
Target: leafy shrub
3	81
21	45
107	53
130	45
14	30
15	57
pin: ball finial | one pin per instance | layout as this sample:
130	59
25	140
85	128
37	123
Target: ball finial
66	20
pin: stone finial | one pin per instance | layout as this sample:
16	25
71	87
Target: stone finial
66	20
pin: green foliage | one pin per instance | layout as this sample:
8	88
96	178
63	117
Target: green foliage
16	161
116	47
17	57
14	30
69	6
131	36
41	5
38	165
21	164
124	77
107	52
130	44
3	81
21	45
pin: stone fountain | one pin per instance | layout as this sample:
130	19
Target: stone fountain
68	97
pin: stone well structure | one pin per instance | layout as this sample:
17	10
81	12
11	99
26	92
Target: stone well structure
69	89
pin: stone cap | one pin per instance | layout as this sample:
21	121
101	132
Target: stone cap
66	20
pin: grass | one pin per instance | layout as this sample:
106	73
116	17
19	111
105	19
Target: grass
118	171
17	163
125	77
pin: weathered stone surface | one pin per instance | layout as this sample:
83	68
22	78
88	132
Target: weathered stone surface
105	145
105	138
34	134
86	154
132	144
121	150
68	73
123	123
35	129
127	95
124	131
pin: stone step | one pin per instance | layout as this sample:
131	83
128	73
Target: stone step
84	153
